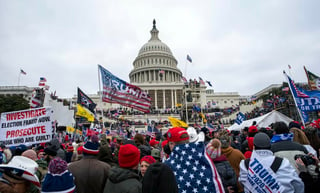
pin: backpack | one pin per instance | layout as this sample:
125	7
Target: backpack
274	166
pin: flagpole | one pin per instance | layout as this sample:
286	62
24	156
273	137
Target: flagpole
99	77
185	99
289	66
185	69
19	78
185	93
294	99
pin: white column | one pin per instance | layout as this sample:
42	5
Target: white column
155	99
175	97
164	99
154	75
149	76
172	101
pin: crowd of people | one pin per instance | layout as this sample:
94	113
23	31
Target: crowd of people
282	158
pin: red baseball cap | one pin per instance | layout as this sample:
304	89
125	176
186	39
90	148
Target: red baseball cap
164	143
175	134
153	142
253	129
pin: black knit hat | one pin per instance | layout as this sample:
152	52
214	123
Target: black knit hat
295	124
51	150
261	141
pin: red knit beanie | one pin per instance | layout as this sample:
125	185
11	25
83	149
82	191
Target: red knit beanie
149	159
250	143
129	156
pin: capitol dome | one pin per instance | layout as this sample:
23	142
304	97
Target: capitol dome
155	62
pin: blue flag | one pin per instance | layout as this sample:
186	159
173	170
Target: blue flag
189	58
306	101
240	118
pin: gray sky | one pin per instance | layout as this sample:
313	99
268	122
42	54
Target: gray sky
240	46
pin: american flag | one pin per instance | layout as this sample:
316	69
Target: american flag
42	81
194	169
295	90
151	134
36	98
118	91
184	80
201	81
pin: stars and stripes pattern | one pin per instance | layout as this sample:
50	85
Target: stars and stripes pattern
201	81
193	169
36	100
294	87
42	81
313	80
184	80
118	91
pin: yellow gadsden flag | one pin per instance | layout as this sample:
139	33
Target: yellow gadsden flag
83	112
71	130
177	123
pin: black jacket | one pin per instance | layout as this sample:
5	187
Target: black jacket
159	178
123	180
226	173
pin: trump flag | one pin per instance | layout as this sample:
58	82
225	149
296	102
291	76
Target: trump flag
118	91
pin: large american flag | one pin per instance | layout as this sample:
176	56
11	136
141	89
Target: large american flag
118	91
194	169
295	90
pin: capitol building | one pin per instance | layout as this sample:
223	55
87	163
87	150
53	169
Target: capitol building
155	70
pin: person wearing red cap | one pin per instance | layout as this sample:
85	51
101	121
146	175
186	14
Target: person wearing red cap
177	136
192	162
145	162
153	143
125	178
245	144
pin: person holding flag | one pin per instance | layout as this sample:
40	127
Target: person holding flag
192	162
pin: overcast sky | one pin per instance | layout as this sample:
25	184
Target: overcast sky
240	46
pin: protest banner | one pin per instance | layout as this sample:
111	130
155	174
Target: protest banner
30	126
